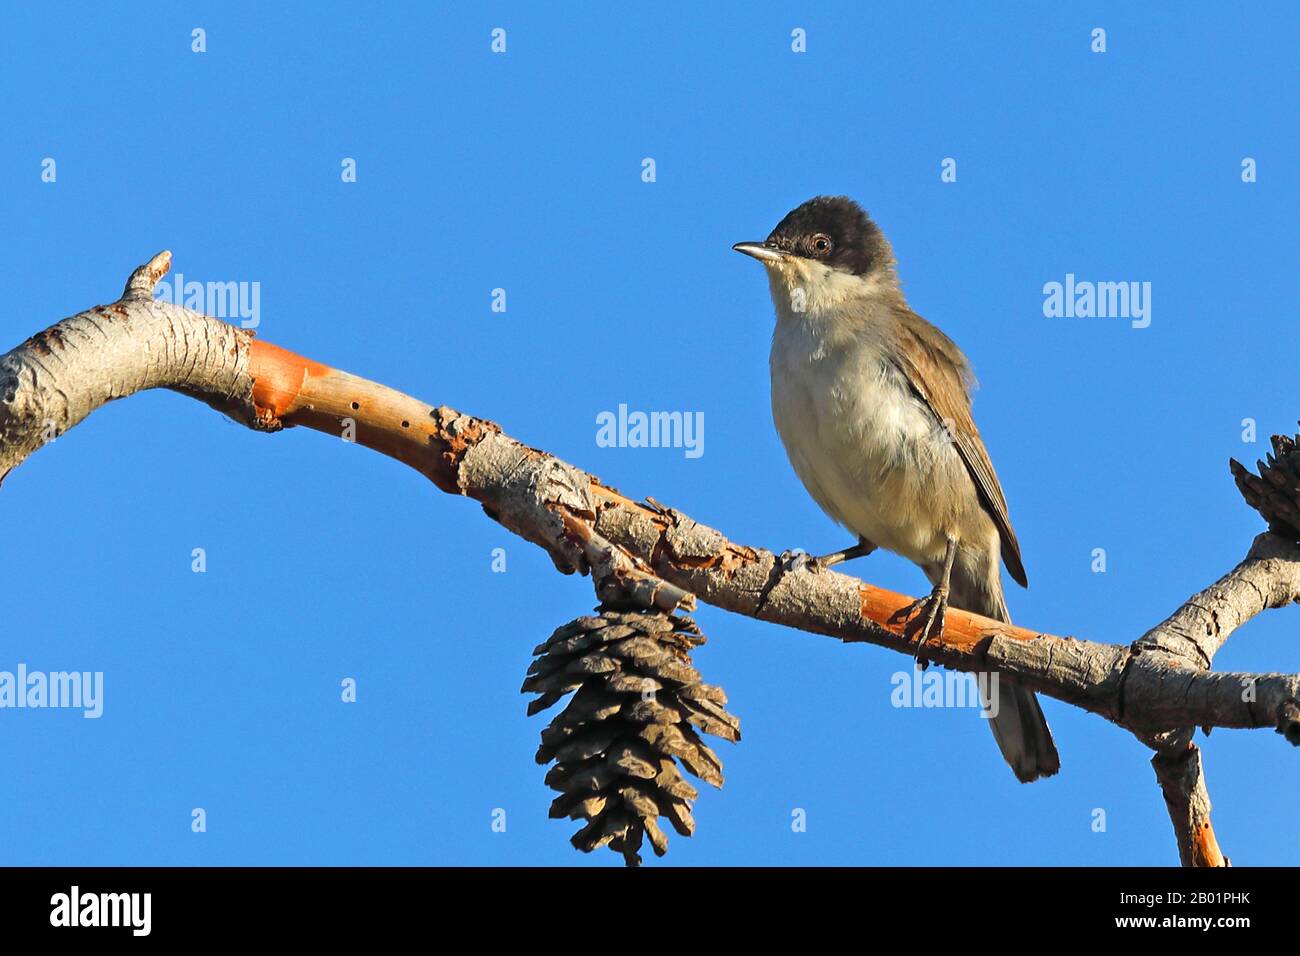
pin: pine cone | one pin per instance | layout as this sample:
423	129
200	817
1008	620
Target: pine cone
637	706
1275	492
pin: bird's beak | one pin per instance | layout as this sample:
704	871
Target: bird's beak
763	253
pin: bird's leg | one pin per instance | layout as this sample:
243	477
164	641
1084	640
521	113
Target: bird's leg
859	550
798	561
935	605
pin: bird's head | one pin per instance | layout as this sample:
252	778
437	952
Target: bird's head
823	251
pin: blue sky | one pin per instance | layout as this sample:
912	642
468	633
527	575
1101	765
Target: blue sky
522	171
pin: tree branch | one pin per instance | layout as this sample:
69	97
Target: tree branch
1156	686
1183	783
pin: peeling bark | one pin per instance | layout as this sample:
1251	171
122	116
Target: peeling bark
1158	687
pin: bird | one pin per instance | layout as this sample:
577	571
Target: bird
873	405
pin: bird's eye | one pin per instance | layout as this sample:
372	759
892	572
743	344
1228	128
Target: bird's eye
821	244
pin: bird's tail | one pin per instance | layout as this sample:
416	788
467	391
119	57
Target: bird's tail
1018	725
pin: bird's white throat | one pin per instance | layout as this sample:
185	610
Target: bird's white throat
809	291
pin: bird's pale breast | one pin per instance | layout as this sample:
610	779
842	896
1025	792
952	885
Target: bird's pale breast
868	450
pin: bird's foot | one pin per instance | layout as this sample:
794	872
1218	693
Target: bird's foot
796	560
933	608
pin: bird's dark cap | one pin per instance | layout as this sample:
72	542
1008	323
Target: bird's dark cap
856	243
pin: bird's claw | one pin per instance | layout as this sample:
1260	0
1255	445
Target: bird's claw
934	607
795	560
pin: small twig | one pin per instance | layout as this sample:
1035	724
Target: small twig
143	280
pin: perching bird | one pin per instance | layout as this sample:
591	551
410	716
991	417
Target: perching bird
872	403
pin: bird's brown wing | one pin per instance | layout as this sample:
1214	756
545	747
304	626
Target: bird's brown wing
941	377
